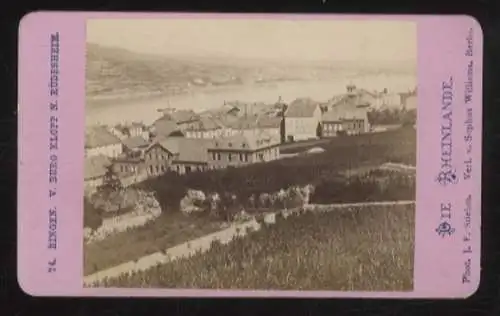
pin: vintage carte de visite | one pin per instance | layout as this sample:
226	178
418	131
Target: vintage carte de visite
249	155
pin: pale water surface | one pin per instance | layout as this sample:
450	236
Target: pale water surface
145	109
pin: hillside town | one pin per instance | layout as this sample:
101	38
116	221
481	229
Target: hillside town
235	134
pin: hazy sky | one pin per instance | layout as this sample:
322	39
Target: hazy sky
367	41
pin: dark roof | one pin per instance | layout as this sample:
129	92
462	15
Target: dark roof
128	158
171	144
187	149
99	136
137	125
180	116
135	142
247	140
164	127
204	124
191	149
303	107
227	120
96	166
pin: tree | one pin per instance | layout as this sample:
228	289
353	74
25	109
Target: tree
111	182
319	130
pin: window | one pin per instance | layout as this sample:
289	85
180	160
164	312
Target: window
157	169
241	157
218	156
230	157
246	157
150	170
214	156
243	145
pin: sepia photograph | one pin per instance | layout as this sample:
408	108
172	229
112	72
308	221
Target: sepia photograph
250	154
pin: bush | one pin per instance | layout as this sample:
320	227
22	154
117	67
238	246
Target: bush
375	186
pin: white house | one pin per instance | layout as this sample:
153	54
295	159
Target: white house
100	141
302	120
410	102
388	100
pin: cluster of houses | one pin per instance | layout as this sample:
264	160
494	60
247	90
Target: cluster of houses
233	135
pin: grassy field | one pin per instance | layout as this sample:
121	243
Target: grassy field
403	136
166	231
356	249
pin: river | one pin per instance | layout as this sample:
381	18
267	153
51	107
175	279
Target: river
145	109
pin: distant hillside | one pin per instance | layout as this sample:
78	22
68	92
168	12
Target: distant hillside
113	71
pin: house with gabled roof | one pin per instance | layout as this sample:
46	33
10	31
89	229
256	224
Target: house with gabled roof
192	155
135	144
177	154
243	148
302	120
348	114
159	155
345	119
259	123
207	128
100	141
129	167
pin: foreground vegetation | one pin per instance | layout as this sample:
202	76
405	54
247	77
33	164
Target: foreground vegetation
172	228
353	249
166	231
